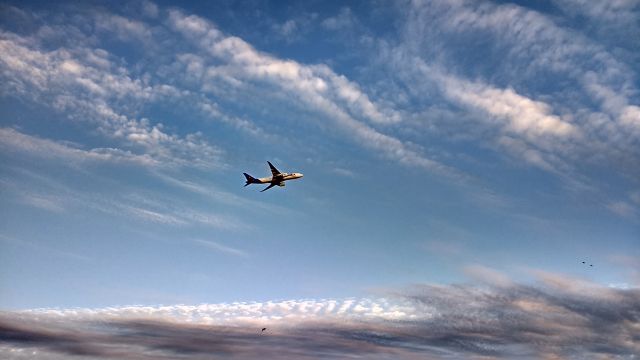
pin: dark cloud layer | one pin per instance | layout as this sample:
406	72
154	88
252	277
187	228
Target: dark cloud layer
556	320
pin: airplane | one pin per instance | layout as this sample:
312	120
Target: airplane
277	178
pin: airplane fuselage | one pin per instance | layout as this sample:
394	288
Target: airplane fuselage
280	178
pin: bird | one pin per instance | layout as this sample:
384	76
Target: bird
583	262
263	329
590	264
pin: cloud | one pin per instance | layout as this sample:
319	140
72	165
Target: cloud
126	29
296	28
150	9
526	128
536	46
129	203
95	86
315	86
622	13
434	321
488	275
344	172
343	20
57	198
87	86
162	210
44	202
211	191
622	208
531	85
221	248
522	115
14	141
517	108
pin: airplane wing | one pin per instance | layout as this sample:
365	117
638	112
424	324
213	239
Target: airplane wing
269	187
274	171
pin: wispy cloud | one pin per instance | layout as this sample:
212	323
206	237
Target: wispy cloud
295	28
488	275
315	86
553	130
213	192
522	115
344	172
538	48
92	85
524	127
87	85
620	15
623	209
528	85
14	141
221	248
157	211
343	20
48	193
436	321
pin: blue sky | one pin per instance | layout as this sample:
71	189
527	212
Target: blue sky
442	142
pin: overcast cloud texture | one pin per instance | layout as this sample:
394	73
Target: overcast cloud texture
487	152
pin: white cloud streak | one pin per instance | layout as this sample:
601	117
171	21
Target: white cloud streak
522	115
316	86
12	140
221	248
554	97
211	191
90	86
537	42
623	209
150	207
86	85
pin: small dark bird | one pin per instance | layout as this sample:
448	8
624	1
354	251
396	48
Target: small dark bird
583	262
590	264
263	329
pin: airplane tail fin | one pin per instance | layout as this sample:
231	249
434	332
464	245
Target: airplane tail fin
250	179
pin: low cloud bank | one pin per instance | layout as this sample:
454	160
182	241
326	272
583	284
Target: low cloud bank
557	318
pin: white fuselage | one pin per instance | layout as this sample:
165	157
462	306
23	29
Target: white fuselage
280	178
